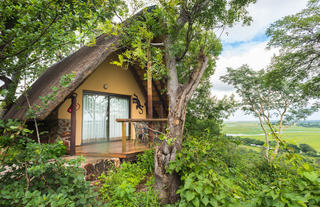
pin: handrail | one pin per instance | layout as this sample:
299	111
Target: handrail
142	120
124	128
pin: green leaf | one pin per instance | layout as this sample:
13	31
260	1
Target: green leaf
189	195
196	202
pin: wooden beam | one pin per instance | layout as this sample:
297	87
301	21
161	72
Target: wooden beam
73	123
142	120
149	91
138	80
124	136
164	104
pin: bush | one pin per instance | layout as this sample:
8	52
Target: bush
146	160
215	172
199	128
34	174
119	186
307	148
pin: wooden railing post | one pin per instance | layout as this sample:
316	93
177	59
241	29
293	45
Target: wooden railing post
73	123
124	137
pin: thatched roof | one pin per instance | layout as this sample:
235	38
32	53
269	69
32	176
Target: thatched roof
83	63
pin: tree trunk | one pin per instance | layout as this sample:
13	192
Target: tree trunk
179	95
167	184
12	87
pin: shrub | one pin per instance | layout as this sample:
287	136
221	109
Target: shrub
146	160
119	186
297	185
34	174
215	172
307	148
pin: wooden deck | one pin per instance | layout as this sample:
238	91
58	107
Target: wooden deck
111	149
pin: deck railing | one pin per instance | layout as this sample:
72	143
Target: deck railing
150	128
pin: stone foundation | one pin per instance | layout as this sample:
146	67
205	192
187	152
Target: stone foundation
93	169
57	129
64	131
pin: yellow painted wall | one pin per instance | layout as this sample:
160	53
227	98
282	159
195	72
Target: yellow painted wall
119	81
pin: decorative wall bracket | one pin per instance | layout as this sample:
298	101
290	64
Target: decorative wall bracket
136	101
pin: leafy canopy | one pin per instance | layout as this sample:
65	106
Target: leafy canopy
298	37
35	34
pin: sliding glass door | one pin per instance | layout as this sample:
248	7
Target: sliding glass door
119	109
100	112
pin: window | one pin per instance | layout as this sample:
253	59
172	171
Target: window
100	112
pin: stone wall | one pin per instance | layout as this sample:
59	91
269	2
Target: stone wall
64	131
93	169
57	129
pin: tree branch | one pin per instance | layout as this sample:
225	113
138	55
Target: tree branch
188	39
44	31
6	81
189	87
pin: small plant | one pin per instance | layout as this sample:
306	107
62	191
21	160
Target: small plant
119	186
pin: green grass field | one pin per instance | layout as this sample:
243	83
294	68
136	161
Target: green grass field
292	134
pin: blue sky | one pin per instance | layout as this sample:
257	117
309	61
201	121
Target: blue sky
247	45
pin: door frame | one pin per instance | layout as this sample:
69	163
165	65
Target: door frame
128	97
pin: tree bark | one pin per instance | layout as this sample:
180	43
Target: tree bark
179	95
12	87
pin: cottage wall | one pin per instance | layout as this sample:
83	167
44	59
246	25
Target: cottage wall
119	81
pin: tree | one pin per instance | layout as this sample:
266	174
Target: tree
35	34
269	100
298	38
205	113
176	39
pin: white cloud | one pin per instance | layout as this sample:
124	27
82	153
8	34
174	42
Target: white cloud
264	12
254	54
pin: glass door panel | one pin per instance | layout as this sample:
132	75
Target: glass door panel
119	109
95	118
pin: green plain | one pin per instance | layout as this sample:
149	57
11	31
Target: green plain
291	134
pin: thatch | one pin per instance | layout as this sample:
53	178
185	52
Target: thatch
83	63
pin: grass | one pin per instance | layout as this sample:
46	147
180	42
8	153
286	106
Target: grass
292	134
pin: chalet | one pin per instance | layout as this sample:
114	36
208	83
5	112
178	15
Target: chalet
85	113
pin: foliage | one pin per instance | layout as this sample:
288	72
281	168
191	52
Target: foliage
37	33
146	161
297	37
307	148
309	124
283	100
215	172
291	134
296	184
205	113
119	185
34	174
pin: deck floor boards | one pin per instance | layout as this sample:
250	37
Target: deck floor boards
111	149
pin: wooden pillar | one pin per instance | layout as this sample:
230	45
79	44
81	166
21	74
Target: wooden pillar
73	123
124	137
161	116
149	94
149	91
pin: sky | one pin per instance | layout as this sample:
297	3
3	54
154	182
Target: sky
247	45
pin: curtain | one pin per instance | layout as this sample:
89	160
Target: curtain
95	118
119	109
